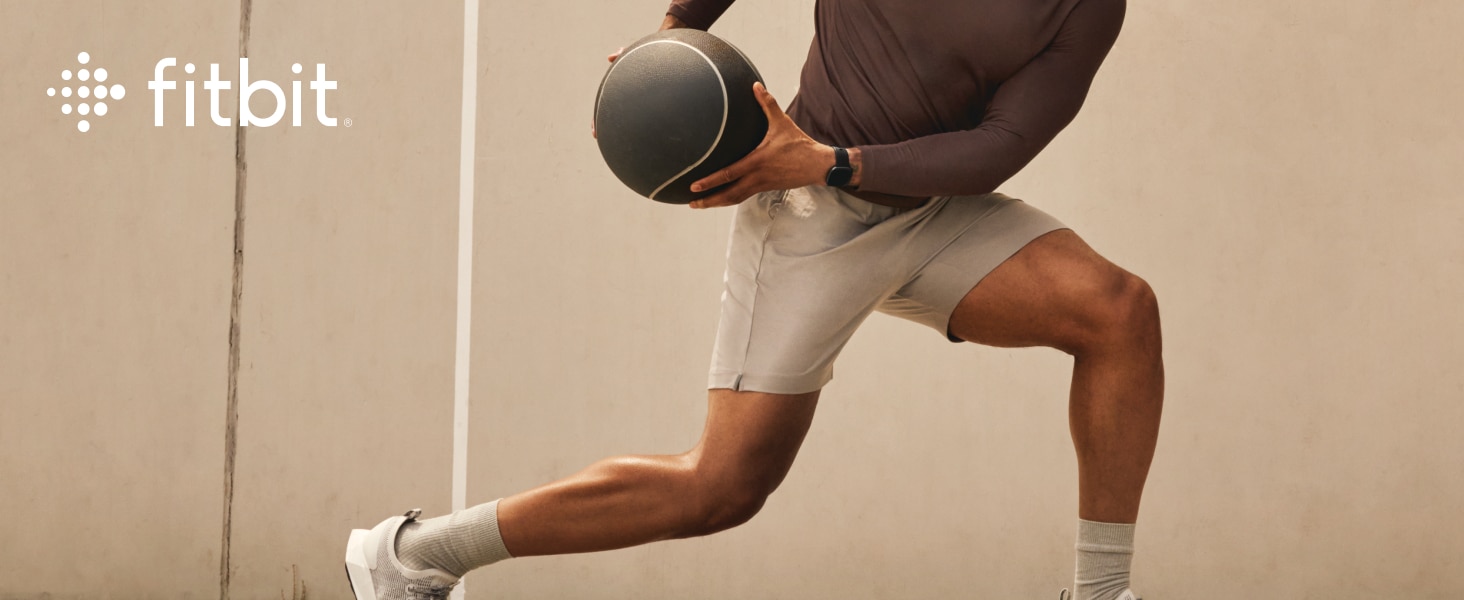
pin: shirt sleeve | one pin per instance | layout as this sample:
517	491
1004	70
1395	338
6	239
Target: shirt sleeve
699	14
1026	113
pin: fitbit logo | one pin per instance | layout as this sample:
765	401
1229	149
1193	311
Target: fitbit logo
160	85
90	84
169	79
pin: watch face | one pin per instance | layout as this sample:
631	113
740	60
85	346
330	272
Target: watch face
839	176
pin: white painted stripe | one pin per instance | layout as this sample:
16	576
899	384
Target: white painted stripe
466	164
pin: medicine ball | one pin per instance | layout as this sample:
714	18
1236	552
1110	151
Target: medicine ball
675	107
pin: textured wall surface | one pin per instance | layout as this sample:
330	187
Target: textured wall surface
1284	174
115	250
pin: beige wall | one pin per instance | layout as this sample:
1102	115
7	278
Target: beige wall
1284	174
114	312
346	375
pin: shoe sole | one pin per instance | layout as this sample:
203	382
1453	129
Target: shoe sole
357	573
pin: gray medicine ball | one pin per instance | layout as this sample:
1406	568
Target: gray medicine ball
675	107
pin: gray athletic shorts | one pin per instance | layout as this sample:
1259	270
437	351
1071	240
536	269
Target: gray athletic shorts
806	266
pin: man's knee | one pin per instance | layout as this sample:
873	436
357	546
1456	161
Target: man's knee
726	511
1121	310
721	501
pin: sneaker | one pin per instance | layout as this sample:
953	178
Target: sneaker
376	573
1126	595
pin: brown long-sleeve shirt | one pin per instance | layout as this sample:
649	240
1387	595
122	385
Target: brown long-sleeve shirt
943	97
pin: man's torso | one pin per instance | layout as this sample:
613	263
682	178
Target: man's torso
886	71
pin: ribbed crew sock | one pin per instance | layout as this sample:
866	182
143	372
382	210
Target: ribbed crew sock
1105	551
455	543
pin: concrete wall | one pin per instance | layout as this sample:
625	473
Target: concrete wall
115	281
1284	174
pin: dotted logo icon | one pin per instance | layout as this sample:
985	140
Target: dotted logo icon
90	92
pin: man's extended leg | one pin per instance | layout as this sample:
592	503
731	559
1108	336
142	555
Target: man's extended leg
1058	292
748	444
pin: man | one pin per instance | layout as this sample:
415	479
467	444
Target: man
874	192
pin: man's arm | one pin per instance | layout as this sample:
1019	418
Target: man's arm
1027	112
696	14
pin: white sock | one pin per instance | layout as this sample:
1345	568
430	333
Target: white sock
1105	551
455	543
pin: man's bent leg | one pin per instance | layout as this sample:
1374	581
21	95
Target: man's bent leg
1058	292
748	445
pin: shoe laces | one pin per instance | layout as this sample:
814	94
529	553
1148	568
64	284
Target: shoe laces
429	591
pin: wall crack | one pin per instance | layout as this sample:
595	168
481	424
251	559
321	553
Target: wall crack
231	421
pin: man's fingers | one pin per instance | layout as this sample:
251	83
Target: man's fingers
720	178
727	175
712	201
742	178
715	201
728	197
769	103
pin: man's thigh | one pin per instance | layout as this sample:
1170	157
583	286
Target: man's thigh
1048	294
988	231
752	437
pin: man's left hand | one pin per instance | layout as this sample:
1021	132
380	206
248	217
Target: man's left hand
787	158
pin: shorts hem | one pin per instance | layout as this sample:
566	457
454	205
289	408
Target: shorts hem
768	384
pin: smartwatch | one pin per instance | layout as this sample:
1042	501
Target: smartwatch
839	174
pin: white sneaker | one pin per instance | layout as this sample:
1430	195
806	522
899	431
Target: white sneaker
376	573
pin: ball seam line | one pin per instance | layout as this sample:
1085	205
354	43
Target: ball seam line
720	130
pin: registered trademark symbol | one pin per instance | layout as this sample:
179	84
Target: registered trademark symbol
349	122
